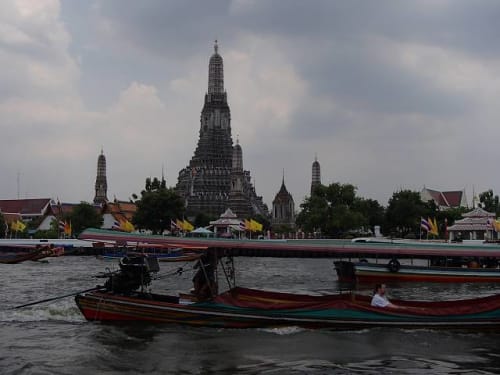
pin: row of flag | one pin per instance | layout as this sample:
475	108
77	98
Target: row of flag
123	225
246	225
429	225
251	225
65	227
183	225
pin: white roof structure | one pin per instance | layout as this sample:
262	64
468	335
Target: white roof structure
475	220
202	230
228	218
479	212
227	221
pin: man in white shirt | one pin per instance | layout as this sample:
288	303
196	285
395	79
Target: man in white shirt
379	299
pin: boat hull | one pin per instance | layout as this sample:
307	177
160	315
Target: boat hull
107	307
19	257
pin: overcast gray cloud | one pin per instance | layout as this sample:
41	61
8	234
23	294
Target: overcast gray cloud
389	94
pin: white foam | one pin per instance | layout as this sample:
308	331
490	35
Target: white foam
282	331
66	311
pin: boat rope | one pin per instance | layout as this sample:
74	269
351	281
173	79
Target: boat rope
179	271
56	298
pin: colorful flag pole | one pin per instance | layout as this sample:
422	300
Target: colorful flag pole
425	225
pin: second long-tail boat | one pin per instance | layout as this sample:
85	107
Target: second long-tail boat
19	254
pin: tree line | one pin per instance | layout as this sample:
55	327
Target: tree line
333	210
337	211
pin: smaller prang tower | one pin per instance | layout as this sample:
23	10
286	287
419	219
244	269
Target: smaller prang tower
316	175
283	207
101	184
238	198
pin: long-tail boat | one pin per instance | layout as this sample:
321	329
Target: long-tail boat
246	308
123	298
18	254
305	248
390	253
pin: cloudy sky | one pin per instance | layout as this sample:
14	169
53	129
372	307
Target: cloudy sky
388	94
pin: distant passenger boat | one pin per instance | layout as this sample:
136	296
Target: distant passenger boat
394	271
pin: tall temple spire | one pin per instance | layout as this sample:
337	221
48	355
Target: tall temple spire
214	179
101	184
216	72
316	174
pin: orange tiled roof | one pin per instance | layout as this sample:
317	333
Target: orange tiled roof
446	198
454	198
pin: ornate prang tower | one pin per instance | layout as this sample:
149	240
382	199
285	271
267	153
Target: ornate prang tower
238	197
101	185
205	183
283	207
316	174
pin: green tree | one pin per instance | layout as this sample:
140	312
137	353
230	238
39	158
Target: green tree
333	210
489	201
371	210
157	206
404	212
84	216
314	213
202	220
448	217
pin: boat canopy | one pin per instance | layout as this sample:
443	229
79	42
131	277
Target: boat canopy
302	248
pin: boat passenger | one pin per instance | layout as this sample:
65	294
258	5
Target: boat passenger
379	298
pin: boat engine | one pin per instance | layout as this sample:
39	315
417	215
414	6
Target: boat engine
135	272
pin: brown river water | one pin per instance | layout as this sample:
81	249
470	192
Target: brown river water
53	338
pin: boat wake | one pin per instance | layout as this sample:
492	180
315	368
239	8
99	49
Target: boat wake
64	311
